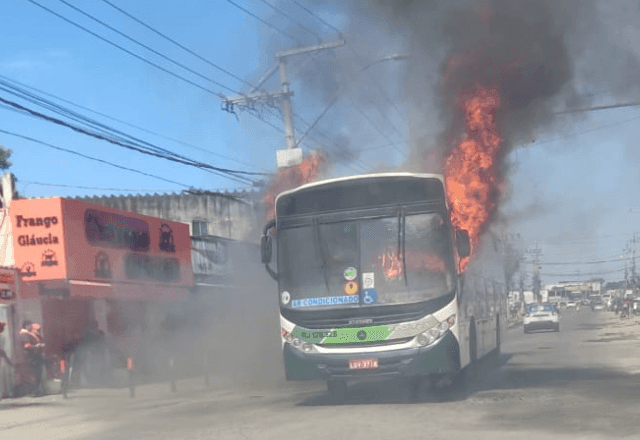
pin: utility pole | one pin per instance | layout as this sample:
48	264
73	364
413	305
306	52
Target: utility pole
292	155
633	265
536	252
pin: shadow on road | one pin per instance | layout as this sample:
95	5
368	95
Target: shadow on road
399	391
12	405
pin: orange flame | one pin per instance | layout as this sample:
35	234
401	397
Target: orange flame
416	260
305	172
470	169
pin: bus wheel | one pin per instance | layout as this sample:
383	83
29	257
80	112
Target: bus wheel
337	390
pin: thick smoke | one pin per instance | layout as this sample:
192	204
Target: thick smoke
543	55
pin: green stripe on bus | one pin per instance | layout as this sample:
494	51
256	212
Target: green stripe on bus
344	335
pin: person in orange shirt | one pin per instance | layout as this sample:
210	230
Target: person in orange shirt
30	340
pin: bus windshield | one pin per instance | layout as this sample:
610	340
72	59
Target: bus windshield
400	259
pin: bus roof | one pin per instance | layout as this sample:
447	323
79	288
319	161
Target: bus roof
360	177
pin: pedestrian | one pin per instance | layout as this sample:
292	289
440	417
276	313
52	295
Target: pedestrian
32	345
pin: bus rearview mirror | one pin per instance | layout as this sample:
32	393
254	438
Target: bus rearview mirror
462	243
266	246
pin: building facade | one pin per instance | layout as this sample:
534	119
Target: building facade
237	216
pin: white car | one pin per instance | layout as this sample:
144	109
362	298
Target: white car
571	304
541	317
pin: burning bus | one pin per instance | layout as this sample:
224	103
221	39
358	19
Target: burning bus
369	272
81	265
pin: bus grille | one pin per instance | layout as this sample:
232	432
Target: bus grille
367	344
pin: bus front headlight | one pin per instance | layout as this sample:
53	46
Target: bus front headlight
423	339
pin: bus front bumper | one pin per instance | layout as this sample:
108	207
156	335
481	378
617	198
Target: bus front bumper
443	357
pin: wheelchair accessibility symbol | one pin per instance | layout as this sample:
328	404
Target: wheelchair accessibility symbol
369	296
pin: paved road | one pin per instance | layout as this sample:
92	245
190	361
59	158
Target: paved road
581	383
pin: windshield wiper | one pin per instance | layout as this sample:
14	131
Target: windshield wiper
402	224
318	243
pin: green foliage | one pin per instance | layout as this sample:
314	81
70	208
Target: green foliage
5	154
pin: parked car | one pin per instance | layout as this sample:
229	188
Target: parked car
541	317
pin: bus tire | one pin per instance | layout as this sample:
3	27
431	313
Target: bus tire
337	390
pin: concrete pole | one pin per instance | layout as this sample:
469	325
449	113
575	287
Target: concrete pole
286	105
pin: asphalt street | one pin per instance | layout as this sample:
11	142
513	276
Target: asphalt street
581	383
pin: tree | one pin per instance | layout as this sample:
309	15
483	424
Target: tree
5	154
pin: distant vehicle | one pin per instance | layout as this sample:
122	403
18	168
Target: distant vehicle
541	317
571	304
597	306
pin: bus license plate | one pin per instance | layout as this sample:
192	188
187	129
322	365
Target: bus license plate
363	364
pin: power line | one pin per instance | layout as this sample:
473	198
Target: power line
376	83
580	133
200	57
173	157
108	132
87	187
578	263
599	107
318	17
157	66
6	81
163	56
289	18
92	158
299	44
149	62
133	40
582	274
266	23
205	167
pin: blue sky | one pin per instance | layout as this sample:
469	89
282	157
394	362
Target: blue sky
580	178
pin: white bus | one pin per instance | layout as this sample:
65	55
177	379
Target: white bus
368	282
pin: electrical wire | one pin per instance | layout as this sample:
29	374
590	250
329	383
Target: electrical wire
287	35
266	23
186	49
66	150
319	18
133	40
289	18
6	81
57	185
157	66
154	64
175	158
358	57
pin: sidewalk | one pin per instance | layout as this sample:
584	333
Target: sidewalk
626	335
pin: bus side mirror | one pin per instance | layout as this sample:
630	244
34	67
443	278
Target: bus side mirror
462	243
266	248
